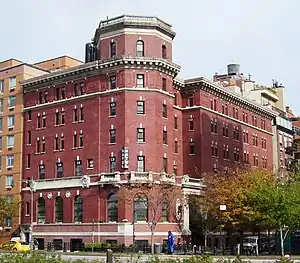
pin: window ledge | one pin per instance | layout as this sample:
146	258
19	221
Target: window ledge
80	147
164	144
140	114
62	124
8	187
27	215
28	168
55	150
62	150
7	227
191	154
74	148
75	122
81	121
90	168
111	143
9	167
112	116
140	142
37	153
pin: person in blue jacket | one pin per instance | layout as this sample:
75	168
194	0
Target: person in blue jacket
171	242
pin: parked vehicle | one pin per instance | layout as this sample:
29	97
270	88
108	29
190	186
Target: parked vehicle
15	246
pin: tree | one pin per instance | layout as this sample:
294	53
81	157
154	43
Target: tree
278	203
159	198
9	207
231	190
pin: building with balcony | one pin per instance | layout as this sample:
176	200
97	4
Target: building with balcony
124	117
12	72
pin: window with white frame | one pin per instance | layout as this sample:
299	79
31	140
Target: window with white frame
10	141
11	101
1	105
140	81
8	222
10	160
9	181
140	107
12	82
141	163
11	121
1	86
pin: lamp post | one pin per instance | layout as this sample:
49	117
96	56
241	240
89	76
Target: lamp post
32	190
133	229
222	209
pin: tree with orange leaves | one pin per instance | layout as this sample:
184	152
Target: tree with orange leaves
231	190
160	198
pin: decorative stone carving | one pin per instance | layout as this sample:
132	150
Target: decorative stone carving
85	181
49	195
68	194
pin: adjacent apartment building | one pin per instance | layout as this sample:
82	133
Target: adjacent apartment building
12	72
124	117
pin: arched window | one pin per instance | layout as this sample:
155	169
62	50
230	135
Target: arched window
41	210
59	209
112	208
141	208
164	51
78	209
113	49
165	211
139	48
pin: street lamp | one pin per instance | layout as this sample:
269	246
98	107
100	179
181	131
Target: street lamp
32	190
222	209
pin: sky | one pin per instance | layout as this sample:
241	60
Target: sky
263	36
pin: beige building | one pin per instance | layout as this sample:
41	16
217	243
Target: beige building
12	72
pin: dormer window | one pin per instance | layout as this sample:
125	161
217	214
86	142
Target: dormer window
113	49
164	51
139	48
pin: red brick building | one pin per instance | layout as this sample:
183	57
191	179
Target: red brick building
123	117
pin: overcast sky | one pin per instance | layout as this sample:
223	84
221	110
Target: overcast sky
262	35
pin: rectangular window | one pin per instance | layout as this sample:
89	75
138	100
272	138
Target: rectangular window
57	93
140	107
140	81
164	84
8	221
76	90
175	122
57	118
1	86
29	115
75	145
42	171
112	136
140	135
164	111
81	87
56	143
11	101
165	137
1	106
44	121
11	121
46	96
63	93
112	164
175	98
10	160
176	147
192	148
9	182
12	82
43	145
141	163
78	168
90	164
215	104
10	141
191	100
191	125
165	165
113	82
81	140
62	142
59	170
75	115
62	116
112	109
27	209
40	97
38	146
81	114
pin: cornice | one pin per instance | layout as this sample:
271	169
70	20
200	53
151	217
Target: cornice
215	89
223	115
95	94
96	67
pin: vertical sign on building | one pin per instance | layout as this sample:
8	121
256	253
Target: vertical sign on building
125	157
